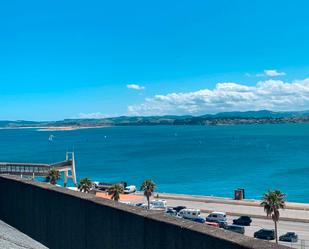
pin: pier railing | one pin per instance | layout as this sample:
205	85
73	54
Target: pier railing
39	169
24	169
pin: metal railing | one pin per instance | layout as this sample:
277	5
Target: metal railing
26	169
39	169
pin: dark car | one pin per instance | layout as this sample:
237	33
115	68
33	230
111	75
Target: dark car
267	234
199	220
178	208
289	237
171	211
243	221
236	228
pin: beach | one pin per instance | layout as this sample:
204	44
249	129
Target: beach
67	128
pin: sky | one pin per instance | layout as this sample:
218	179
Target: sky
92	59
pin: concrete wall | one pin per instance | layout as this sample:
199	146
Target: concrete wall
60	218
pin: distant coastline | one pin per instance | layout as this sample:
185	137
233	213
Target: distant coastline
67	128
225	118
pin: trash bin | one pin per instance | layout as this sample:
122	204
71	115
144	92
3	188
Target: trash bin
239	194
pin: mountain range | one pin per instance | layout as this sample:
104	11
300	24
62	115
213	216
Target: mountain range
248	117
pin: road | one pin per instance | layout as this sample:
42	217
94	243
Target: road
302	229
292	220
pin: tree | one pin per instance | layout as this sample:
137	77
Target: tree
85	185
53	176
115	191
272	202
148	186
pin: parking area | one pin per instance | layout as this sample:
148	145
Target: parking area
292	221
300	228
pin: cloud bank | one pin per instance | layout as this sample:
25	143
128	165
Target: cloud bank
275	95
135	87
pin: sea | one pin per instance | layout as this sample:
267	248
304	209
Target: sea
197	160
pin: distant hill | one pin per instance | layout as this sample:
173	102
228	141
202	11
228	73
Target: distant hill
247	117
259	114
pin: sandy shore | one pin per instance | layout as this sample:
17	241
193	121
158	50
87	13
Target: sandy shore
67	128
55	128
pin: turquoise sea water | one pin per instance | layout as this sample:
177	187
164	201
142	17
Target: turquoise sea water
201	160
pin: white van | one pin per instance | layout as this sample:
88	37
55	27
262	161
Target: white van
216	217
129	189
190	213
158	204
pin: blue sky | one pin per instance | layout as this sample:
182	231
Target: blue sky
64	59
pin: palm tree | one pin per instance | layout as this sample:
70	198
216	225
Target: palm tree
272	202
53	176
148	186
85	185
115	191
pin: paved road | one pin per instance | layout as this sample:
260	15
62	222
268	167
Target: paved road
292	224
241	209
302	229
11	238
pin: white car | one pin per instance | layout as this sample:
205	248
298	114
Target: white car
127	203
160	204
129	189
216	217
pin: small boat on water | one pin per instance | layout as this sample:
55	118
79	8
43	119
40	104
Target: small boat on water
51	137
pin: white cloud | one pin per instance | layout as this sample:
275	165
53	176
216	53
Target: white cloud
273	95
91	115
271	73
135	87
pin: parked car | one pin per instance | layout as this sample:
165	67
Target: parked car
236	228
190	213
178	208
171	211
222	224
145	206
199	220
160	204
139	204
267	234
127	203
216	216
213	224
243	220
129	189
289	237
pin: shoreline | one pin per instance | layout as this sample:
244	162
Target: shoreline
55	128
68	128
